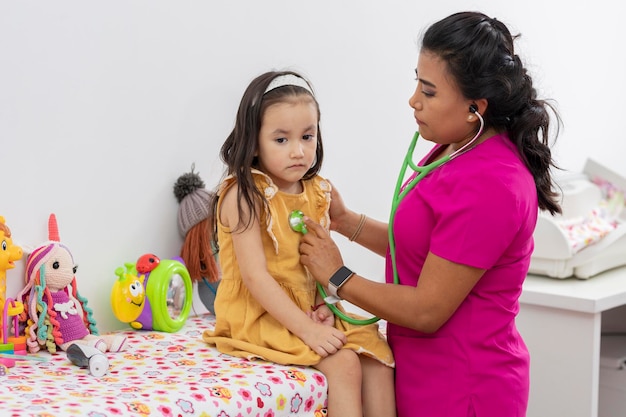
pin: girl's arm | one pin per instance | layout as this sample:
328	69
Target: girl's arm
248	246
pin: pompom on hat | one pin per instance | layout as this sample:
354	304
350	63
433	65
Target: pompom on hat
194	201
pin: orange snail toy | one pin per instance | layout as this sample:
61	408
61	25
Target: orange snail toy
152	294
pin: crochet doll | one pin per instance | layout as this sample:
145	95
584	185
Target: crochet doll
55	314
195	226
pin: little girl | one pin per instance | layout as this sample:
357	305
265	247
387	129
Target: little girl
264	303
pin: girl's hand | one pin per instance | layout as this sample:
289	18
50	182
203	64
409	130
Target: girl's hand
323	339
319	253
322	315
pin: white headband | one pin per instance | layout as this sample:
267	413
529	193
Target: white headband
288	79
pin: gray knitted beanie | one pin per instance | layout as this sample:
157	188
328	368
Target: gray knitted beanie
194	201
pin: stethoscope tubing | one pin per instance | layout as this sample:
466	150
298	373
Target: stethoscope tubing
341	314
401	191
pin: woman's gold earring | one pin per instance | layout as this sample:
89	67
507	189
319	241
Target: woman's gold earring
470	117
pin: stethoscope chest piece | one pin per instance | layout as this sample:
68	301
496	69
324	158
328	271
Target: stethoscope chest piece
296	222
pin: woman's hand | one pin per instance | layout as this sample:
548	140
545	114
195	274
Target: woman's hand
319	253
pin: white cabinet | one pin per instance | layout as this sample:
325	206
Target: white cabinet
561	322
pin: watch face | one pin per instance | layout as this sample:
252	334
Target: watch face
340	276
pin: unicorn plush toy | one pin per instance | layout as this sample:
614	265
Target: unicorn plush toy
55	314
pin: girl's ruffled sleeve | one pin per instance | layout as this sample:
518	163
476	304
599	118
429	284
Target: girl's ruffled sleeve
323	189
269	189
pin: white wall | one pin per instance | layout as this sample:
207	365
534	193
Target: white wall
104	104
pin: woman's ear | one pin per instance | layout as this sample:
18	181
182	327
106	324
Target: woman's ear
478	106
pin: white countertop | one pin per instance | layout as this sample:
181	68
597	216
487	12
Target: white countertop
593	295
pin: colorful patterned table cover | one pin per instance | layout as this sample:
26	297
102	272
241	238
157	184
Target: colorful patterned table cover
163	374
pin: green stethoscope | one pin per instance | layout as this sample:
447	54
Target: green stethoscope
297	224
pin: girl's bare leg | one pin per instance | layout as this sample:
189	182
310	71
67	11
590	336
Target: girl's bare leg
378	388
343	373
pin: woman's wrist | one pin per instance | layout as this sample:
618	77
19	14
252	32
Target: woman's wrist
348	223
359	227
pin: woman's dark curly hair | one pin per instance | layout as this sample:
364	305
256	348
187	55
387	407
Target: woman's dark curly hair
479	54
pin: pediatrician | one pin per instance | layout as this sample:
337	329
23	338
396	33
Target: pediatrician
460	236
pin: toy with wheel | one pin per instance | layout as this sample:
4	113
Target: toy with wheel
55	314
153	293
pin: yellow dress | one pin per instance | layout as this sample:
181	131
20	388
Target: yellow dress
243	328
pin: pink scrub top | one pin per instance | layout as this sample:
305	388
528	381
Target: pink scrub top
478	209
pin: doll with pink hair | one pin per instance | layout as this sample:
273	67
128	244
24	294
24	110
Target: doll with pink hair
55	314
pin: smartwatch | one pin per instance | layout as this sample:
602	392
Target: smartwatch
339	278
